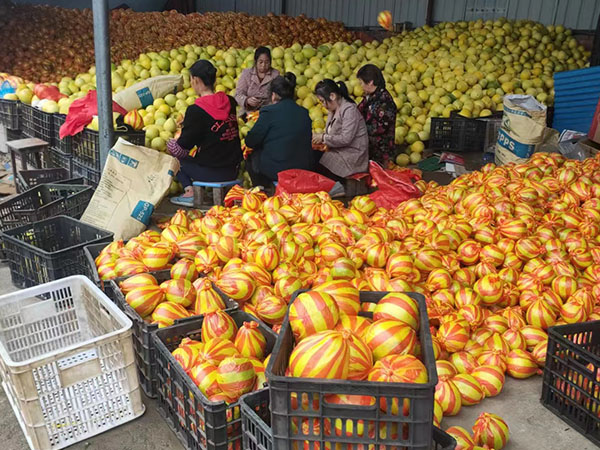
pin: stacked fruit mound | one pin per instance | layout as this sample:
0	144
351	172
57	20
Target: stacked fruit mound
465	67
42	43
229	362
500	254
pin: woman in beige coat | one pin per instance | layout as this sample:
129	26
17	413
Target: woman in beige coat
253	89
345	134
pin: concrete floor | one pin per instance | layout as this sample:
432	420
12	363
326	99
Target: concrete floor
532	426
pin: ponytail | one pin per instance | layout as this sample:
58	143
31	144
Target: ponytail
344	91
327	86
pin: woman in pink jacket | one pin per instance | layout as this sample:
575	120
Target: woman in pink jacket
345	134
253	89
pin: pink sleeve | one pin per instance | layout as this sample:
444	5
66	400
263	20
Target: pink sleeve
176	150
241	90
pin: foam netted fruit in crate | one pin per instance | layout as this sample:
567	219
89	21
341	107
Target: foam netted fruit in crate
305	410
67	363
571	385
144	327
199	423
256	425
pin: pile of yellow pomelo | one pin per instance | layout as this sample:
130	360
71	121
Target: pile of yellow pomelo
432	71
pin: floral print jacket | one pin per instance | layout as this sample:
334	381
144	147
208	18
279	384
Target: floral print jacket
379	111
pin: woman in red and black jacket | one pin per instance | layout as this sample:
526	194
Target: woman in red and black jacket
379	111
209	146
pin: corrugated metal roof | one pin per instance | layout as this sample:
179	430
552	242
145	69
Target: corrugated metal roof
576	95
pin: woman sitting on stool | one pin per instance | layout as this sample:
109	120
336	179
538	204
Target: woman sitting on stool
281	137
209	146
345	133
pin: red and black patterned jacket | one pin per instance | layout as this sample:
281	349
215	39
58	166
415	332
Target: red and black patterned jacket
379	111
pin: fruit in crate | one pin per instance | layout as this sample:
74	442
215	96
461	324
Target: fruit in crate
222	369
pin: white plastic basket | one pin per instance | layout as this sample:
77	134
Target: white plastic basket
67	362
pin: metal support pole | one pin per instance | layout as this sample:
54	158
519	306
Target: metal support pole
103	80
429	13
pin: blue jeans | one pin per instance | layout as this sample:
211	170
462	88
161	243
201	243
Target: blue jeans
191	171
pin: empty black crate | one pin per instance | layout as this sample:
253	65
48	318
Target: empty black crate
26	179
572	377
145	351
9	114
64	145
49	250
256	425
42	202
198	423
87	147
90	176
457	134
61	159
412	431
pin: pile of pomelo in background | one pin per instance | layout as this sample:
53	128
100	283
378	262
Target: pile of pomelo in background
432	71
500	254
45	43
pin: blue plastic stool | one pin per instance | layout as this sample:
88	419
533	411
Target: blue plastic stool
202	200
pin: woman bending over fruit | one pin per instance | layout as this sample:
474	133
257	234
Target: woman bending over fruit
345	137
281	137
253	89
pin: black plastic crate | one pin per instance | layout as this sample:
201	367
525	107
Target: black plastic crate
198	423
61	159
49	250
256	425
90	176
43	125
42	202
27	179
9	114
26	119
571	383
458	134
145	351
86	149
414	429
64	145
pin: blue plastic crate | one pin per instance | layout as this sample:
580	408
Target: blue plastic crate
575	99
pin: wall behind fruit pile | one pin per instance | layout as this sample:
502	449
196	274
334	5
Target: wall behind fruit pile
136	5
576	14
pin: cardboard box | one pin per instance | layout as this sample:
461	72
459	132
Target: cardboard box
592	147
